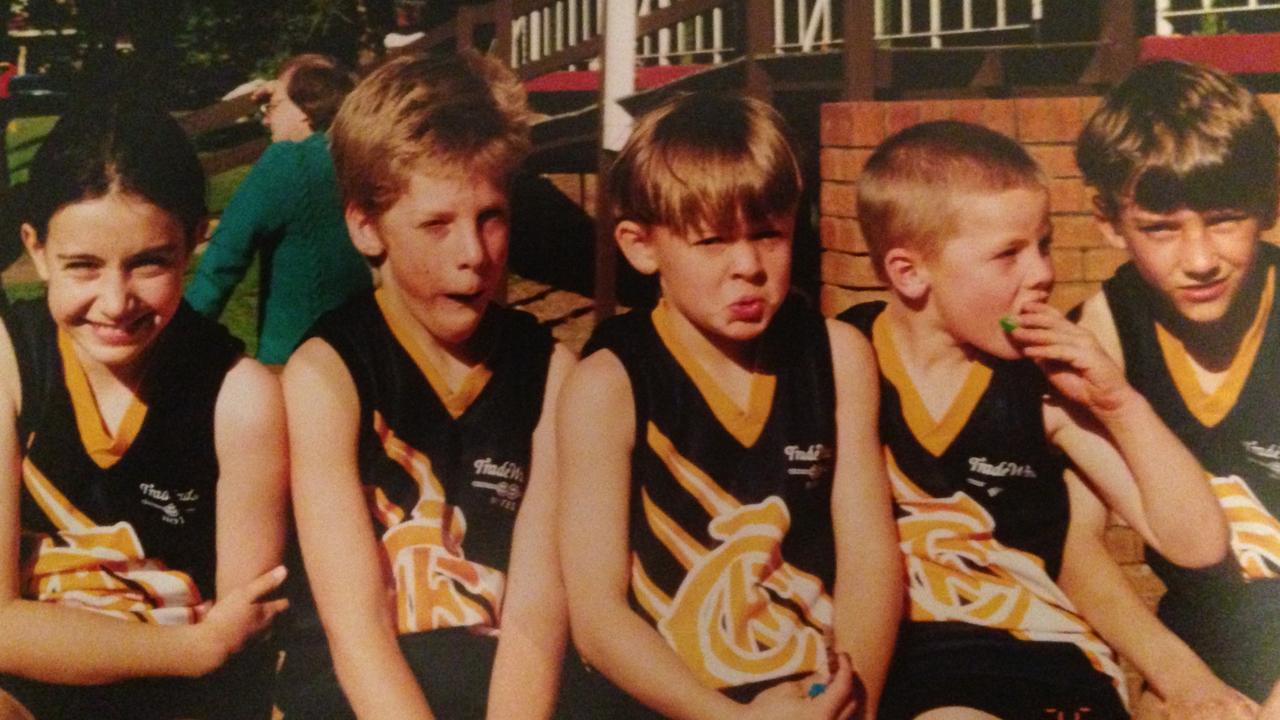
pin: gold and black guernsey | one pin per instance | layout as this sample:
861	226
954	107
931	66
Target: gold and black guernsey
982	515
125	525
443	474
733	555
1228	613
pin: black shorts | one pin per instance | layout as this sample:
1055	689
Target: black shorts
998	674
452	667
239	690
586	694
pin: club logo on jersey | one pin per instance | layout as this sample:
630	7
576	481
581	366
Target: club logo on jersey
958	571
993	473
812	462
172	505
101	568
505	480
1265	456
436	586
741	614
1255	533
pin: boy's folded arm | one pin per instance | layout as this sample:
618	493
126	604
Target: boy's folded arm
1102	594
868	593
337	538
595	436
526	670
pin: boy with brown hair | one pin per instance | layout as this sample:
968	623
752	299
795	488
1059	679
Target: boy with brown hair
724	519
986	394
420	422
1184	162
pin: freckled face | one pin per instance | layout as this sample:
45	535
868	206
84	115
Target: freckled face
114	269
445	241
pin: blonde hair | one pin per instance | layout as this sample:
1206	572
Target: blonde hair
909	189
1175	134
705	159
461	113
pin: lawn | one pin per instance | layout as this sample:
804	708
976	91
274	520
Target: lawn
22	140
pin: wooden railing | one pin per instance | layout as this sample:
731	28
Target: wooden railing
1188	16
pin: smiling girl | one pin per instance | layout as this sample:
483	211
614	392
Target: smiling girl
142	456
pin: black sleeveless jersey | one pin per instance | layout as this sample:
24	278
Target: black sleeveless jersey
981	506
129	532
444	474
1229	613
730	511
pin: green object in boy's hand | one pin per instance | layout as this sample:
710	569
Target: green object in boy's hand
1008	324
817	689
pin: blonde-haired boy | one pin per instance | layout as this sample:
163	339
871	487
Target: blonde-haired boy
420	422
725	524
986	394
1184	161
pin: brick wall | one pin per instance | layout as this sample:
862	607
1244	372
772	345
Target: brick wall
1047	127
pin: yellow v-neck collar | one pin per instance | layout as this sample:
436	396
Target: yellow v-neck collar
744	424
1211	408
935	435
104	449
455	402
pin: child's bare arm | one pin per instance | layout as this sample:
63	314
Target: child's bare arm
1138	466
1109	603
59	644
253	477
869	578
526	671
337	538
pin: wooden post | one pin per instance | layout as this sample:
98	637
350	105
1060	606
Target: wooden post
617	80
859	29
759	44
1118	33
502	18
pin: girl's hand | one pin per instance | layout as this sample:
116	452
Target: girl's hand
237	617
801	699
1071	359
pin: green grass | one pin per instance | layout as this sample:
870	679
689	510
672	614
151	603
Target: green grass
241	314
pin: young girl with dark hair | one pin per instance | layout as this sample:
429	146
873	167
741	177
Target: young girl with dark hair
142	456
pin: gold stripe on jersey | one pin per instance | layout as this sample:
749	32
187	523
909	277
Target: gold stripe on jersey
1211	408
744	424
102	448
436	586
101	568
1255	533
958	572
934	435
456	402
724	622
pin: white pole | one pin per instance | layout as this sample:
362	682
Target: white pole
619	72
717	34
935	23
1163	26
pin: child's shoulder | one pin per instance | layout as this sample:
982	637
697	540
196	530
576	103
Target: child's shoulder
863	315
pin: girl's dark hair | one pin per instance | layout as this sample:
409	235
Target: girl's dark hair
116	145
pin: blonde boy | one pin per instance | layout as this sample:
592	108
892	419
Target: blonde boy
419	420
724	524
1184	162
957	220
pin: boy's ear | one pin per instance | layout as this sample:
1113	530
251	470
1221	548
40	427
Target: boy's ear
35	248
636	243
364	232
907	273
1107	224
